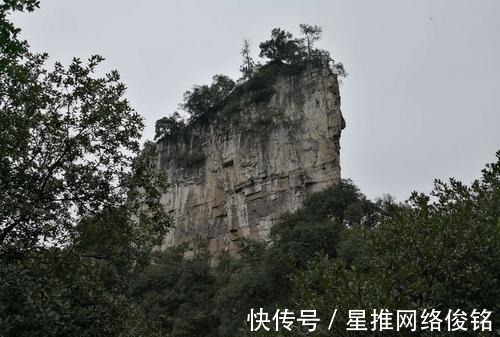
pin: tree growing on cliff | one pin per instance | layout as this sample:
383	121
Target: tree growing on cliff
285	54
316	56
311	35
248	66
281	48
203	101
169	126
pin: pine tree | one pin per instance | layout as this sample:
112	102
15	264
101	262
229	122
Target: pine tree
248	66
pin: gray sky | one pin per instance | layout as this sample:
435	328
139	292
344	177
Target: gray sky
420	101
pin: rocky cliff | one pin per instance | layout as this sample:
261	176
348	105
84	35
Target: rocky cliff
234	179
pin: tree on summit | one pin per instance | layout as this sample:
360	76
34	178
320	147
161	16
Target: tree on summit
281	48
311	35
248	66
169	126
203	101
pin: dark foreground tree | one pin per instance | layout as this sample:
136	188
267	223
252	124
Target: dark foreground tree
79	203
438	252
56	294
177	293
67	143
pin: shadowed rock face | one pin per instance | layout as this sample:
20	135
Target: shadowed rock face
262	164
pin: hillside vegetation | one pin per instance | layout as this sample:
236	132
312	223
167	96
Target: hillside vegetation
341	251
222	100
80	216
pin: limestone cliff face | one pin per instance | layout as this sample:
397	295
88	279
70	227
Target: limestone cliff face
262	164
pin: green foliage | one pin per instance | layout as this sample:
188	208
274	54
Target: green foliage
81	289
257	89
249	283
248	66
447	249
261	86
281	48
69	147
185	296
311	35
263	277
11	47
316	228
343	251
109	235
68	142
80	214
439	251
203	101
79	201
177	293
40	296
169	127
224	100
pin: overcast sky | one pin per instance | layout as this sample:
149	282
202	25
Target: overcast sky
421	100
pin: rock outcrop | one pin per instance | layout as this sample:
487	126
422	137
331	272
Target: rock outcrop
234	180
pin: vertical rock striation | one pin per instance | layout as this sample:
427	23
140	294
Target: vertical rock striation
234	180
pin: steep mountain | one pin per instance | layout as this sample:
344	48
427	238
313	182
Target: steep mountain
235	176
